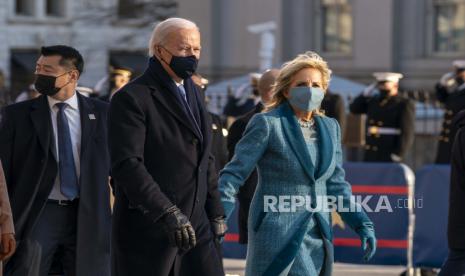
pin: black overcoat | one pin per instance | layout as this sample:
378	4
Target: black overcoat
158	160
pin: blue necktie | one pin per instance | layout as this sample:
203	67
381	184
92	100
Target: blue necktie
68	177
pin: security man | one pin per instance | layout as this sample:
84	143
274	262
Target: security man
390	119
450	91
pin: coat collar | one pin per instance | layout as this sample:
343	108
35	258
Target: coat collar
297	142
164	89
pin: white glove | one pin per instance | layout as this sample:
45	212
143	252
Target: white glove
368	91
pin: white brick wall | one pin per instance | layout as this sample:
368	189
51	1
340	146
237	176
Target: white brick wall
93	38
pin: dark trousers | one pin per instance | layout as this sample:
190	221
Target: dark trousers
455	264
202	260
56	229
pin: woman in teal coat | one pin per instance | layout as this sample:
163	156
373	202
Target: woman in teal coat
297	151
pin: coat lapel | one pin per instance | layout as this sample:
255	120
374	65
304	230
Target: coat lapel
325	146
205	123
88	121
171	104
296	140
155	77
40	116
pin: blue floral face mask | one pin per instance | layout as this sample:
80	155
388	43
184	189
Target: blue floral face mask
306	98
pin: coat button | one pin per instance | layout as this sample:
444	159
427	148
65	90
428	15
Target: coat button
367	147
375	148
195	141
448	122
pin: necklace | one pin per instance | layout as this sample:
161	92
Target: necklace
306	124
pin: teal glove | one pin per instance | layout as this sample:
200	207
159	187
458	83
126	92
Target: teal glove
367	235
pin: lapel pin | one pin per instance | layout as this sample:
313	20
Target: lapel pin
92	116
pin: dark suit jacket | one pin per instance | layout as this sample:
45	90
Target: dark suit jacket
456	225
453	103
158	160
26	141
333	105
247	190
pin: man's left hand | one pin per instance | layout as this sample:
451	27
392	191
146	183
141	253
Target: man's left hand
219	228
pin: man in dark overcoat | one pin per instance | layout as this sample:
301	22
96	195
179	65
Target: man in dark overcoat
167	209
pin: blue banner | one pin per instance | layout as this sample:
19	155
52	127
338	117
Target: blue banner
388	185
430	235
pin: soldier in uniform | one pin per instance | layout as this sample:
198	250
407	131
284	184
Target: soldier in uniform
390	119
450	91
119	77
236	130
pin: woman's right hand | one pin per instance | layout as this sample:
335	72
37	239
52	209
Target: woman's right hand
368	239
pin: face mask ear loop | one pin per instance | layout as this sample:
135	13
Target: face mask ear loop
162	59
66	83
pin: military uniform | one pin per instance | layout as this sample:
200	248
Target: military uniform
390	126
453	101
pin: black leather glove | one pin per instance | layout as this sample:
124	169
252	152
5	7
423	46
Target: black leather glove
180	231
219	228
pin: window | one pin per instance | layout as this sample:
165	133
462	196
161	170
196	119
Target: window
24	7
39	9
337	26
153	9
449	26
55	8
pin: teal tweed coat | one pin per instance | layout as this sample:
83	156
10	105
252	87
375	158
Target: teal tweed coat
273	142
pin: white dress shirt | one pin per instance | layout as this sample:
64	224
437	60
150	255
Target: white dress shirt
74	120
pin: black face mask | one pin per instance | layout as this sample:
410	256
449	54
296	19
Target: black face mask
183	67
384	92
45	85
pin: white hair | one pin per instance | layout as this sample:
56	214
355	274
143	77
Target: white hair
165	27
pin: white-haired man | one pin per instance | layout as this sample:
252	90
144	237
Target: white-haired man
167	211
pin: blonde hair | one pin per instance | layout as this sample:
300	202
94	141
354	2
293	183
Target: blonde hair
290	69
164	28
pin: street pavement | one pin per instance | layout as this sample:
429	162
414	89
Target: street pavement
236	267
